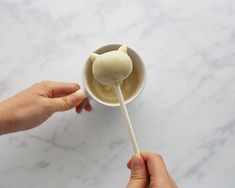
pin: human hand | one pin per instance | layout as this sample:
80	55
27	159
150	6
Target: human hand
149	168
36	104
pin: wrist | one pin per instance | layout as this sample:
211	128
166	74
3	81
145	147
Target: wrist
6	119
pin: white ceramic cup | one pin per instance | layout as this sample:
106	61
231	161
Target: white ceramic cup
138	67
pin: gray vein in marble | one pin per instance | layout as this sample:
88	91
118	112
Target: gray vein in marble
52	143
188	48
212	145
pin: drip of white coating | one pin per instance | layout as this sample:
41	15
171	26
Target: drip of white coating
111	68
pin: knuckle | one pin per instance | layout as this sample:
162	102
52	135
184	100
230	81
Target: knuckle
44	83
138	176
66	103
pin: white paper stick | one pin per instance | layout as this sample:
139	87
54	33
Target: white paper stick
127	119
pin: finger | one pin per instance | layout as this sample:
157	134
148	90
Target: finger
58	89
154	163
88	107
129	164
81	106
156	167
85	104
67	102
138	177
173	182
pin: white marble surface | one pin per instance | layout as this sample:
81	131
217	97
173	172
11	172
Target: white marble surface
186	112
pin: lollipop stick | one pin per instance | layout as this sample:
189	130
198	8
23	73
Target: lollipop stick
127	119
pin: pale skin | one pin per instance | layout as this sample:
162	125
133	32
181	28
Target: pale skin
33	106
149	170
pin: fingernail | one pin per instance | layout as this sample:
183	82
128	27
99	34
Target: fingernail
136	163
88	108
81	93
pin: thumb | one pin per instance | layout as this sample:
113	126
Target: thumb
138	177
68	102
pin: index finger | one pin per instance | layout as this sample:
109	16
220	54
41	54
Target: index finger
58	89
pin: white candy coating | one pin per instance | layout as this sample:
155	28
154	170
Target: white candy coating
111	67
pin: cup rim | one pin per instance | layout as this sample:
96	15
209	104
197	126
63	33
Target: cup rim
129	100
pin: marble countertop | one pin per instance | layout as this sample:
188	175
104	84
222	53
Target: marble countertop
186	111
